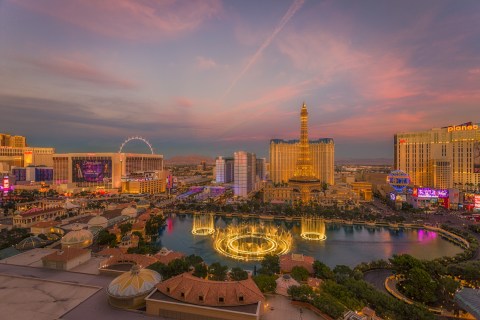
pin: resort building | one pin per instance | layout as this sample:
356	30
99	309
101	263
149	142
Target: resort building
25	156
28	218
294	165
108	170
284	154
189	297
443	158
7	140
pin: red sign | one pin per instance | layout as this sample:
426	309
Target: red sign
402	141
477	201
6	183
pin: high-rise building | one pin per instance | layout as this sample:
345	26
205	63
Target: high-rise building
244	173
25	156
301	167
261	169
7	140
224	169
447	157
284	155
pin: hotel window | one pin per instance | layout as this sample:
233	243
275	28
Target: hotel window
200	298
240	298
221	300
182	294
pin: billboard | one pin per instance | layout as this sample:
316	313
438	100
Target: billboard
92	170
430	193
476	157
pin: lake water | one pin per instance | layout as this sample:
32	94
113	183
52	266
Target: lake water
348	245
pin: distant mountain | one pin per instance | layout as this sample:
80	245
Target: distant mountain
373	161
190	159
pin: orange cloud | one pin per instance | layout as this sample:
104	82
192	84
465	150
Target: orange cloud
146	20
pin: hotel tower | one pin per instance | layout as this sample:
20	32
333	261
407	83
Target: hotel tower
447	157
284	156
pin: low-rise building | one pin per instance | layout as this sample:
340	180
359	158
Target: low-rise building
189	297
28	218
66	259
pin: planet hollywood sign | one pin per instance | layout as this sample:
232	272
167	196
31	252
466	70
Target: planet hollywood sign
463	127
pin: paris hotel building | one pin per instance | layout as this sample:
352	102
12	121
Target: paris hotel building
447	157
284	154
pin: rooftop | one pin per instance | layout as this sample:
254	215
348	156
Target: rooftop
189	289
66	254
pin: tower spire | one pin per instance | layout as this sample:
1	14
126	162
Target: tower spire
304	168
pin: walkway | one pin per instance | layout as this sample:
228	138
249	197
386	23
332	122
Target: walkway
391	286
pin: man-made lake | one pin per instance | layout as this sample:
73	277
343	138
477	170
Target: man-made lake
345	244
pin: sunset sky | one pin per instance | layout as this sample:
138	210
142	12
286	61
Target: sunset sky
211	77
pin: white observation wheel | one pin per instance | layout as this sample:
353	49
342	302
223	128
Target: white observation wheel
136	138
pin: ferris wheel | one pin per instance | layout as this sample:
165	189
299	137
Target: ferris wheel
136	138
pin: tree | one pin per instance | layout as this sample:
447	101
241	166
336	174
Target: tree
322	271
420	286
125	228
104	237
238	274
266	283
217	272
342	272
300	293
404	262
193	260
270	265
153	225
300	273
201	270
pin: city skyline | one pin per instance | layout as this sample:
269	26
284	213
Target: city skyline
212	77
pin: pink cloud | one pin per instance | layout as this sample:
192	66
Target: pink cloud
79	68
146	20
203	63
184	102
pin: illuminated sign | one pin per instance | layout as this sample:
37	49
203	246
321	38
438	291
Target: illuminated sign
463	128
403	140
430	193
477	201
6	183
91	170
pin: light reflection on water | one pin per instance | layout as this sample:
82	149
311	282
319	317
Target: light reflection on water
348	245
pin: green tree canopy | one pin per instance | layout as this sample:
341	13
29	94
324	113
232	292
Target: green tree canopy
270	265
300	273
238	274
217	272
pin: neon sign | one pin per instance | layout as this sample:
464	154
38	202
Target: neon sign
6	183
477	201
463	128
430	193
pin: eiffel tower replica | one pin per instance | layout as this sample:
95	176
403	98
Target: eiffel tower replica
304	183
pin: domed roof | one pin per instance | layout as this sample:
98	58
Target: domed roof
98	221
134	283
129	212
77	236
30	243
